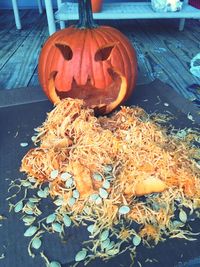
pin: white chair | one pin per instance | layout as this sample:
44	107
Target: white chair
124	10
16	12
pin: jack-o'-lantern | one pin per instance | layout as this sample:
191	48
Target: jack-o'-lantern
90	62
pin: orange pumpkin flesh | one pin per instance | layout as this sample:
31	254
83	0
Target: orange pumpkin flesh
97	64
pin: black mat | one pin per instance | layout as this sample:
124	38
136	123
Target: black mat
22	110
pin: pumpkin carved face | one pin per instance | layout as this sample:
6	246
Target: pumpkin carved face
97	65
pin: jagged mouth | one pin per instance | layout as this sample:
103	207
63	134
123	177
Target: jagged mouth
101	100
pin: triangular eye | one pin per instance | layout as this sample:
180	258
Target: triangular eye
103	53
65	50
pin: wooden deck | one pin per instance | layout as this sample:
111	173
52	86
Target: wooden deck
163	52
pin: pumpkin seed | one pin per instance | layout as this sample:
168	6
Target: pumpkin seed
181	134
34	199
105	243
110	246
67	221
30	205
36	243
51	218
103	193
32	179
177	224
33	138
109	177
108	168
69	183
26	183
87	210
24	144
136	240
71	201
30	231
57	227
106	184
28	211
112	252
18	207
54	264
98	201
96	176
190	117
124	210
54	174
46	190
81	255
104	235
41	194
91	228
58	202
76	194
183	216
93	197
156	206
36	130
28	219
65	175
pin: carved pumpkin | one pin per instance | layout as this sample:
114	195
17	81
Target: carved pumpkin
90	62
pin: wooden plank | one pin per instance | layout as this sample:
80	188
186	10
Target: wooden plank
168	55
34	78
7	21
20	67
13	38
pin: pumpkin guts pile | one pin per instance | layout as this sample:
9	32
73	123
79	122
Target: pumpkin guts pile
109	173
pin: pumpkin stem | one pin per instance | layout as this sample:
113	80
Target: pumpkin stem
86	20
